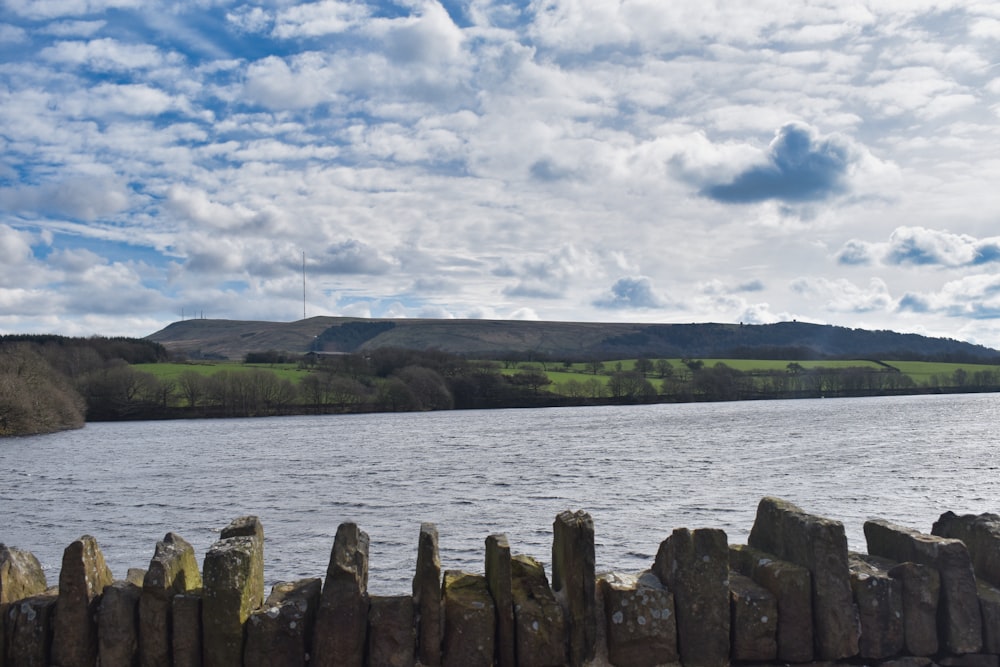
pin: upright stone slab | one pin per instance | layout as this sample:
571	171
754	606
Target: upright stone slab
173	569
29	630
342	619
753	620
427	597
233	587
921	591
880	606
186	639
391	632
694	565
960	619
21	576
574	580
989	606
791	586
981	535
82	579
279	633
118	625
819	545
250	526
640	626
540	626
469	621
498	578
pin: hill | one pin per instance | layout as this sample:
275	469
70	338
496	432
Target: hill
232	339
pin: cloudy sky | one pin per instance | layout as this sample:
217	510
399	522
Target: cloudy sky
585	160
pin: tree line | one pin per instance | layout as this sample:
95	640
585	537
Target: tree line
51	383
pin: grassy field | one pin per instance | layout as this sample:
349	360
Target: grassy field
171	371
921	372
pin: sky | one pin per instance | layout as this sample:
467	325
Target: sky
758	161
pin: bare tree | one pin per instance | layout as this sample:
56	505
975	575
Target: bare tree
34	398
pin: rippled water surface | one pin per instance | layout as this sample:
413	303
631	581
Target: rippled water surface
640	471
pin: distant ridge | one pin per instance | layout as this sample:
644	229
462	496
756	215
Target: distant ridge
233	339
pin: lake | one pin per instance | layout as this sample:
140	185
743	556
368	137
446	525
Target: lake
640	471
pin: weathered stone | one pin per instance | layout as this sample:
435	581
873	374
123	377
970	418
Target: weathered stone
82	579
989	606
969	660
754	620
391	633
880	606
279	633
469	621
907	661
791	586
694	565
574	579
136	575
959	618
540	625
173	569
427	597
921	590
186	639
250	526
498	578
639	619
244	526
233	588
21	576
29	630
342	619
118	625
981	535
819	545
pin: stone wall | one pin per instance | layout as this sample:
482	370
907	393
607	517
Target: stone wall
793	595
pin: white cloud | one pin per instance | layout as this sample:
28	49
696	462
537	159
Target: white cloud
919	246
77	196
523	314
18	266
107	55
549	277
974	297
129	99
317	18
988	28
52	9
843	296
632	293
760	313
429	37
305	81
250	19
12	34
74	28
196	207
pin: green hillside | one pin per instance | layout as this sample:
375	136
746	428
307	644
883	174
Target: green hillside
232	339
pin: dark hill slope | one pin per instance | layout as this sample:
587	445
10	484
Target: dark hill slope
563	340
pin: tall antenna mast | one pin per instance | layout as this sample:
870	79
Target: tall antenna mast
303	284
